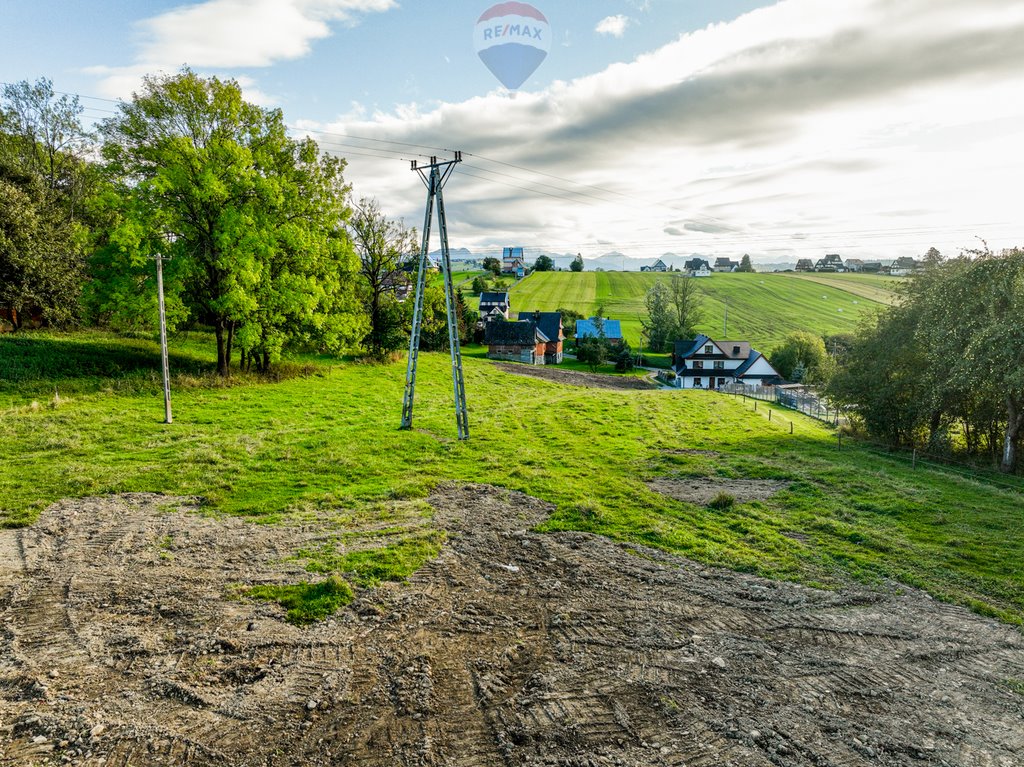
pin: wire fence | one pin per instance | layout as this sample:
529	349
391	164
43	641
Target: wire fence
807	403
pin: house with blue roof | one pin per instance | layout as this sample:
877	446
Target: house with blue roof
703	363
612	330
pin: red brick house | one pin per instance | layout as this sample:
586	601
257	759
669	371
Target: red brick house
550	324
519	341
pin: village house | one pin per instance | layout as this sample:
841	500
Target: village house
513	261
723	264
588	329
550	324
697	267
706	364
657	266
854	265
519	341
399	283
494	305
830	263
805	265
904	266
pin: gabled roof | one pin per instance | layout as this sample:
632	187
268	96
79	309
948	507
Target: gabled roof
660	263
522	333
686	348
512	253
587	329
695	263
725	261
494	298
741	371
549	323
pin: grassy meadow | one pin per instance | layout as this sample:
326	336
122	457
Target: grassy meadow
763	308
325	441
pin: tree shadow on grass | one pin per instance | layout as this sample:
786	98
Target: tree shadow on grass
32	363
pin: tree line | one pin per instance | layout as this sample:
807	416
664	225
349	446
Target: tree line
944	368
261	237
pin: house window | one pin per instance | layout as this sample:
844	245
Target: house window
721	382
719	366
709	349
698	365
697	383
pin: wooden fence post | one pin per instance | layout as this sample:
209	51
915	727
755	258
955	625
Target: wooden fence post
913	464
790	427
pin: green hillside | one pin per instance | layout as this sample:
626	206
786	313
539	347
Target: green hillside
326	446
763	308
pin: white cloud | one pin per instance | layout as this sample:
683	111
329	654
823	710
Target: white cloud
612	25
219	34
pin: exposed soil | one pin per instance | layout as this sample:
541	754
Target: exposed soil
121	646
578	378
703	489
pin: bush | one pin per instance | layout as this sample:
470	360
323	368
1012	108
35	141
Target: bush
624	359
722	501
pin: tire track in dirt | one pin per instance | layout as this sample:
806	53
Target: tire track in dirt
122	646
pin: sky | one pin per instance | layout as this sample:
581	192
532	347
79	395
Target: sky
790	129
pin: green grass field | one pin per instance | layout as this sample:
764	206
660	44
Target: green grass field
328	442
763	308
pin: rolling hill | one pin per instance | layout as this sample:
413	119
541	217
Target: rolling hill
762	308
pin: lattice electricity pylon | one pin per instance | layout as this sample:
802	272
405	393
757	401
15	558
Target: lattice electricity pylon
435	181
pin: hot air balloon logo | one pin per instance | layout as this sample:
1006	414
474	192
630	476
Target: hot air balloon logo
512	39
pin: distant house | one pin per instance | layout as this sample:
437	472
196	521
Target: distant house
830	263
657	266
871	267
494	305
706	364
697	267
520	341
725	265
805	265
854	265
513	261
399	283
550	324
588	329
904	266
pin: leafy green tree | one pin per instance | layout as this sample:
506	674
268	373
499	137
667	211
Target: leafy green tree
479	285
625	361
688	301
745	264
661	318
543	264
261	248
577	263
44	184
804	354
592	352
385	248
493	265
569	317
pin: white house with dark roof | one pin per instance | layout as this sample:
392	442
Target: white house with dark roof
657	266
493	305
707	364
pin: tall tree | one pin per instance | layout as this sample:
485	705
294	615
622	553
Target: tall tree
261	246
386	250
493	265
543	264
688	301
577	263
804	352
44	181
745	264
661	319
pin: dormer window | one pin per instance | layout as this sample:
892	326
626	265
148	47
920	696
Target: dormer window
736	351
709	349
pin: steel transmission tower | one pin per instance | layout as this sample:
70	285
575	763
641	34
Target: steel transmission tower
435	181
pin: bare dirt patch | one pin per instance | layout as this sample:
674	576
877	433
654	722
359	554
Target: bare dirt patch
121	647
578	378
701	490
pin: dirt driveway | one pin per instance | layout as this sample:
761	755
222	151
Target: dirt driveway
121	646
578	378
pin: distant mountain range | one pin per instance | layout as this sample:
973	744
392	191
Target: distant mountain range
613	261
